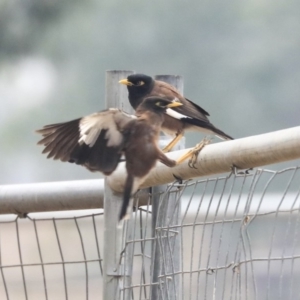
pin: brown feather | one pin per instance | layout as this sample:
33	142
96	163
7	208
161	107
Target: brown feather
61	140
196	116
98	141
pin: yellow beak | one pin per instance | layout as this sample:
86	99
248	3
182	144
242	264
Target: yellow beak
174	104
126	82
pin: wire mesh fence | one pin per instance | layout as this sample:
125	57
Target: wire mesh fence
51	257
237	238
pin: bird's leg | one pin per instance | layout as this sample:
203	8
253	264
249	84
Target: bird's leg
193	153
171	145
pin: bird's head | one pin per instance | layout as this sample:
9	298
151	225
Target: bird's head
157	104
138	84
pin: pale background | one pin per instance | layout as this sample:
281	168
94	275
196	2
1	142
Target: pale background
240	61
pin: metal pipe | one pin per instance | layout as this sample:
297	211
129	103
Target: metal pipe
166	212
245	153
51	196
113	272
249	152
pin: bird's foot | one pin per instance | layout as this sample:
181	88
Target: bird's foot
193	153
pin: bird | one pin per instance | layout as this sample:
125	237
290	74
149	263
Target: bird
99	140
189	116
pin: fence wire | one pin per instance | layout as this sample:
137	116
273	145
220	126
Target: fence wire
237	238
51	257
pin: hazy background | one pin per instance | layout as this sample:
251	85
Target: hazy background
240	61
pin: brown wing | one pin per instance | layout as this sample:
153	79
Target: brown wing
189	108
166	90
95	141
190	114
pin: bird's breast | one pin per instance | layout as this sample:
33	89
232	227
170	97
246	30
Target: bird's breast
141	150
172	126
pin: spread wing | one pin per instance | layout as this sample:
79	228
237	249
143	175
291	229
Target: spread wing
95	141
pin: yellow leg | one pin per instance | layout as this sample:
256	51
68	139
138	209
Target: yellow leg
170	146
193	154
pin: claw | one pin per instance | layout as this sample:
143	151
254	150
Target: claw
193	153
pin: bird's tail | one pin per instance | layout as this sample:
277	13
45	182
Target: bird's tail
208	126
126	196
221	134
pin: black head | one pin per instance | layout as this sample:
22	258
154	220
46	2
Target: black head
138	85
157	104
139	79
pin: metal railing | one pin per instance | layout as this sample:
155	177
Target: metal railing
193	240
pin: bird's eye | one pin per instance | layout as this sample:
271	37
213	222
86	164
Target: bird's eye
158	103
140	83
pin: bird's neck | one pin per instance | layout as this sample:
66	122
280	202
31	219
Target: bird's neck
136	94
155	119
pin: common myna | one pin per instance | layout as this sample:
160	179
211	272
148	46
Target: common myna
189	116
99	140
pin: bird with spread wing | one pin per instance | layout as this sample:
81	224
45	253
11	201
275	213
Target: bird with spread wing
98	141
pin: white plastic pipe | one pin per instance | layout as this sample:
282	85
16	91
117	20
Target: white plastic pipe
245	153
51	196
254	151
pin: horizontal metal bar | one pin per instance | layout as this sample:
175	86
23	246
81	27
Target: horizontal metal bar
245	153
51	196
52	263
217	158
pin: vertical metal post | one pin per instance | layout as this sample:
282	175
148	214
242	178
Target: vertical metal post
115	96
166	254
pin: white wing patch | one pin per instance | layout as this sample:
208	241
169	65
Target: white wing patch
113	135
91	126
176	115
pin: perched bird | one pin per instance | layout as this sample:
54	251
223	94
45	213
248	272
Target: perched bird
189	116
98	141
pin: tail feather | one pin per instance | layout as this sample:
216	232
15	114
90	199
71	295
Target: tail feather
126	196
221	134
208	126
